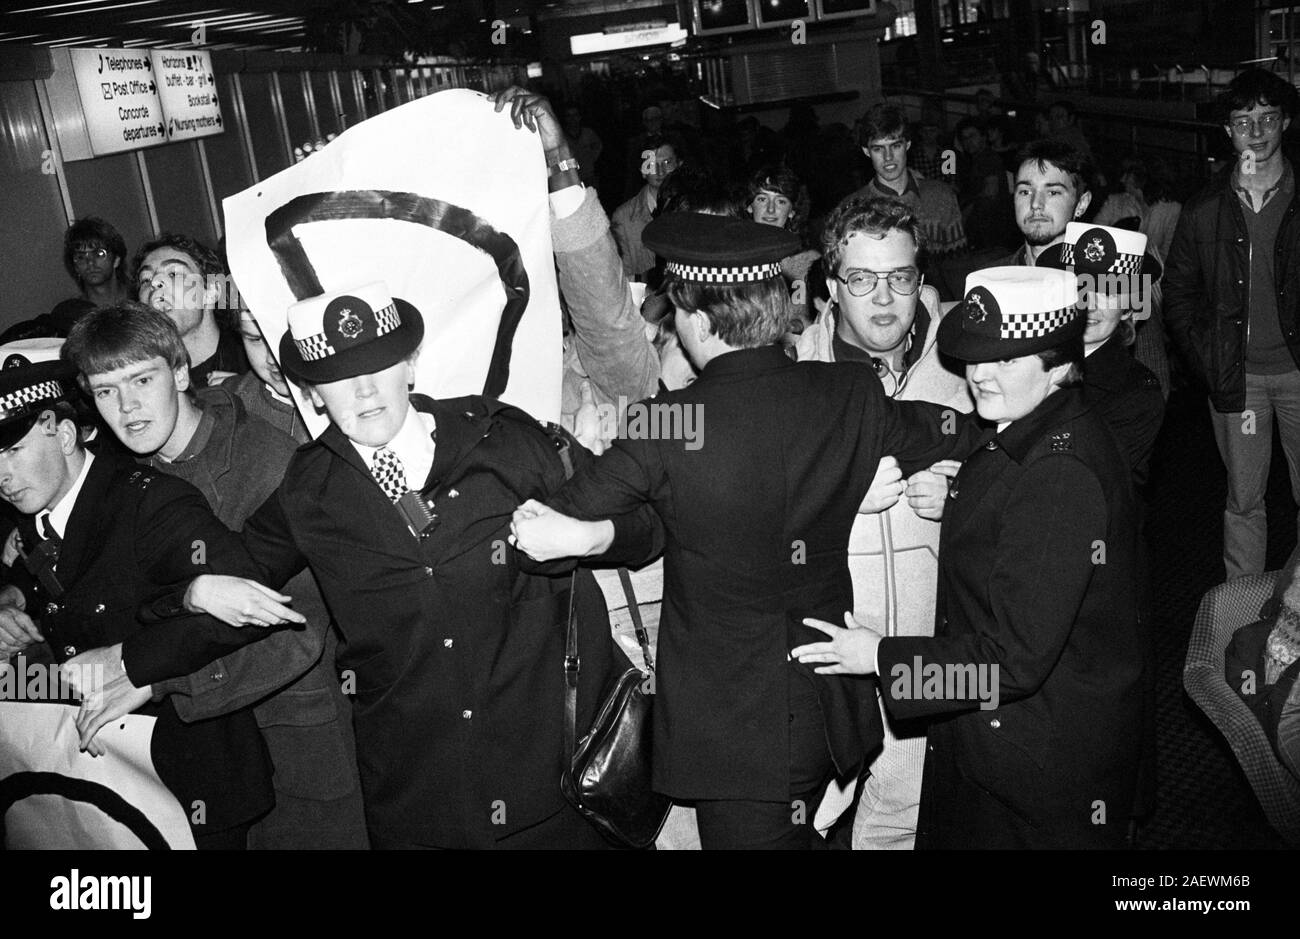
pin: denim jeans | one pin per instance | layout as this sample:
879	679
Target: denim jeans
1245	441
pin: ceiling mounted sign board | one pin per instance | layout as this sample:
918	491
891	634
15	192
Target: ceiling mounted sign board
119	98
188	88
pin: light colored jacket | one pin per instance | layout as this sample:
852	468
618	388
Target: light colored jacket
894	555
609	344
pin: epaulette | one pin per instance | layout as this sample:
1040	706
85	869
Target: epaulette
140	479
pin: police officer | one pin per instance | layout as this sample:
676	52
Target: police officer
1033	680
758	513
96	538
1117	279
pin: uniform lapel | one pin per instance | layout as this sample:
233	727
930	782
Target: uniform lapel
86	529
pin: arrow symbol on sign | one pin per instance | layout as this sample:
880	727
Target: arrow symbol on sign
101	63
152	88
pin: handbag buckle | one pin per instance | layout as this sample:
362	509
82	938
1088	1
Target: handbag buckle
572	664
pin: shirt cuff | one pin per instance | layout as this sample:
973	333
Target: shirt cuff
568	200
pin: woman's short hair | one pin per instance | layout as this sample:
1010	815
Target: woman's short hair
127	333
744	315
1067	353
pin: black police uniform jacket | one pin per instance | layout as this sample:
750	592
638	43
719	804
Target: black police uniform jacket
1036	577
454	641
132	533
1127	395
757	511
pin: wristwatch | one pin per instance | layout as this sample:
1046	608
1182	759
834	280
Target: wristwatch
563	166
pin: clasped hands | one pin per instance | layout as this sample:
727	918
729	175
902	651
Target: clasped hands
926	490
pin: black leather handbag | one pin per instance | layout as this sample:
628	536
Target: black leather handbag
608	777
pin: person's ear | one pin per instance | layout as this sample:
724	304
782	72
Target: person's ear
1058	373
907	145
1084	201
317	401
701	324
1286	122
410	368
68	434
181	376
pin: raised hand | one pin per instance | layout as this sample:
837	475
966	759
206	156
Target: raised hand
534	112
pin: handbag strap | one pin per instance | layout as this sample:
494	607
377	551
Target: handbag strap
634	609
572	664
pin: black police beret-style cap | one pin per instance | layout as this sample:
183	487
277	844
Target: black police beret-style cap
718	249
26	391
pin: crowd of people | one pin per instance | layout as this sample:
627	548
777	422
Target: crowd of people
904	581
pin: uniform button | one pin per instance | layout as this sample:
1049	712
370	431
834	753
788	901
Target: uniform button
991	445
931	748
467	714
450	495
446	643
69	651
995	723
51	608
218	675
99	608
428	571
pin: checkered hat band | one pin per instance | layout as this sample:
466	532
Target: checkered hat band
314	348
17	400
724	275
1123	263
1033	325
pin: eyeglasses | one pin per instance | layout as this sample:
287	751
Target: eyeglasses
903	282
1241	126
89	254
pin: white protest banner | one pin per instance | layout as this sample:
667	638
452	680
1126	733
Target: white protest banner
444	201
54	796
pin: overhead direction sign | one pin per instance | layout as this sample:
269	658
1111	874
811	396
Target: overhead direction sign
119	98
188	88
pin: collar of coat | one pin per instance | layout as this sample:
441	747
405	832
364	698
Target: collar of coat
461	423
1060	406
1108	368
746	362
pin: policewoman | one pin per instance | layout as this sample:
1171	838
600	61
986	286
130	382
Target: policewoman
401	509
1032	681
1117	278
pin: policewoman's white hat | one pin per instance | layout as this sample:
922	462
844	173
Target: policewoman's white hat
346	333
1112	260
1008	312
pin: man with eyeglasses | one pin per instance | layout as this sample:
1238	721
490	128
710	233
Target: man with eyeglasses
882	314
1230	303
94	254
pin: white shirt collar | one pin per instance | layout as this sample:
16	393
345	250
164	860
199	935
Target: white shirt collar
413	445
58	515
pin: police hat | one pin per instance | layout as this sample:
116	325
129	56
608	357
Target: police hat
1113	261
1009	312
346	333
32	378
718	249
